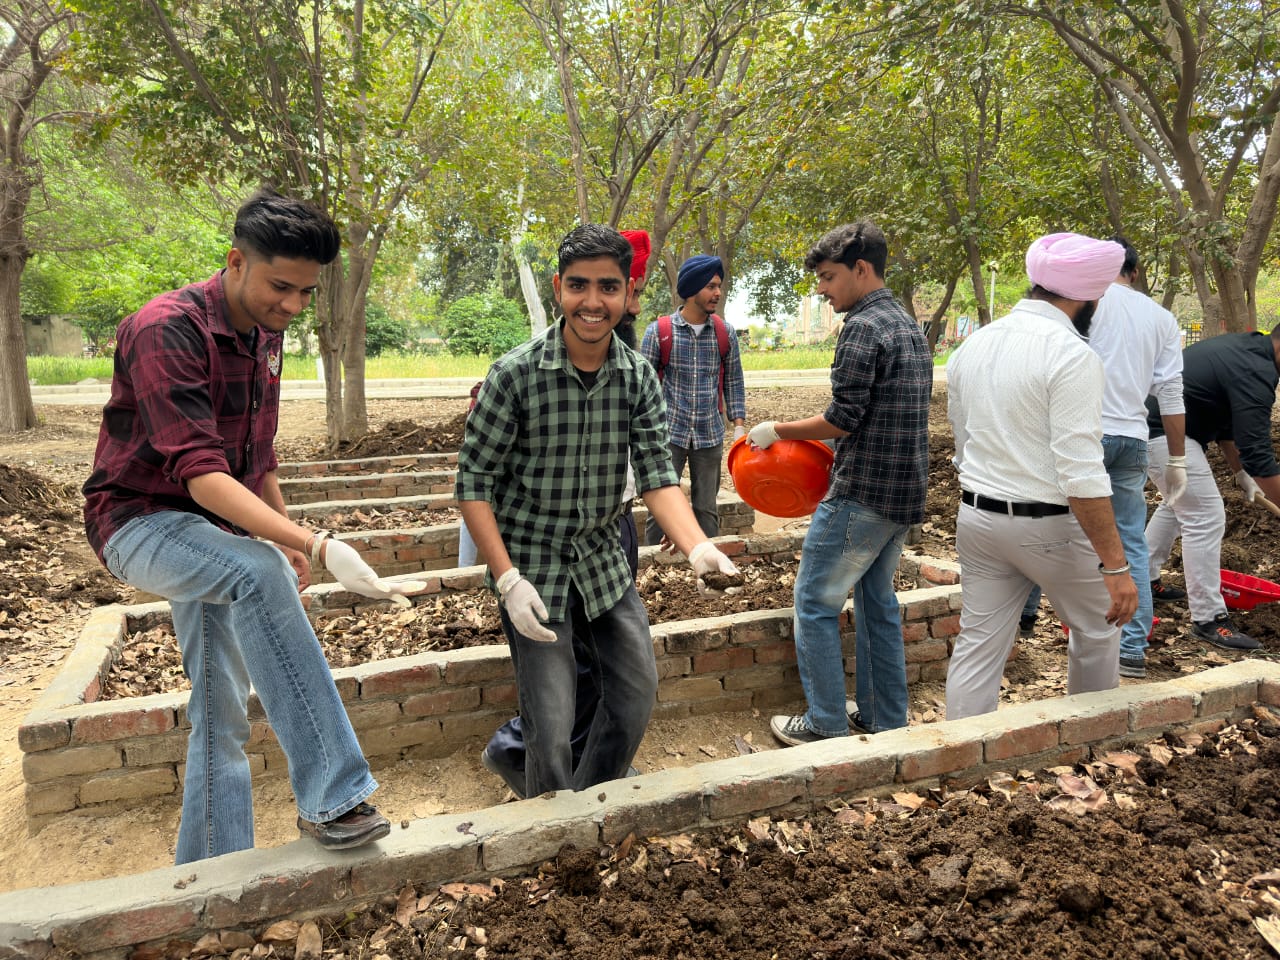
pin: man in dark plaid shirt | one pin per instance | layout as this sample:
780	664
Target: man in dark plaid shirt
184	479
541	474
881	383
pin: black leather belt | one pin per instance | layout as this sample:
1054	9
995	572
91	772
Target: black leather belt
1013	508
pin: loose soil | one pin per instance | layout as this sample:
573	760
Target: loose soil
947	875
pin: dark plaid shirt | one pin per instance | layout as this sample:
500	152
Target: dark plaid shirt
550	456
881	382
188	397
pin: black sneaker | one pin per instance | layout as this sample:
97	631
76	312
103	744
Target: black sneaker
856	723
1163	593
1135	667
1222	633
1027	625
791	730
360	825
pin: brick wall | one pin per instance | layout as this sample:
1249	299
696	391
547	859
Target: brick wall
83	755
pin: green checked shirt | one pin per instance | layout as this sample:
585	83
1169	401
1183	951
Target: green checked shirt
550	457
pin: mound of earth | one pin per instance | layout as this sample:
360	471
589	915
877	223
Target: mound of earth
396	438
1161	852
34	497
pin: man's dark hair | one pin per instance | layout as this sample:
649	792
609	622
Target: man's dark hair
849	243
592	240
1130	266
272	225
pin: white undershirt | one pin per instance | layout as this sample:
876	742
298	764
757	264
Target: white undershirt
1024	396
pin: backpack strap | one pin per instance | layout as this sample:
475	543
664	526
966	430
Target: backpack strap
664	344
722	339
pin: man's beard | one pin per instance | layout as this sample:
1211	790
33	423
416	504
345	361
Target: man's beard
1083	319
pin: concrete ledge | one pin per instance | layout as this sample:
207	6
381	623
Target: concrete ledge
253	888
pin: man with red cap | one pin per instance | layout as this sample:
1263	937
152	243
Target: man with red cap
1025	404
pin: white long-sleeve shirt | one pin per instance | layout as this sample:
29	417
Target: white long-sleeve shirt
1141	350
1024	396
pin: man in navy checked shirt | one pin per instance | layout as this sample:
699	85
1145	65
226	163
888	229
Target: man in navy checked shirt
540	481
881	383
691	380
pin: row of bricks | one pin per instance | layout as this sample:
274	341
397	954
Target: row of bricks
514	836
328	468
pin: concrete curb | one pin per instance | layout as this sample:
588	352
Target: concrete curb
251	889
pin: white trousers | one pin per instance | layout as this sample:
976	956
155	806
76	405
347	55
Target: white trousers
1200	518
1000	558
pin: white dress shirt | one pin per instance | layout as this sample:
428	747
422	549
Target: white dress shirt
1141	350
1024	396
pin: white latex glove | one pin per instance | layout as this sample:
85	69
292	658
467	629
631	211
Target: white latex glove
1246	484
524	606
706	558
1175	479
764	435
739	431
342	560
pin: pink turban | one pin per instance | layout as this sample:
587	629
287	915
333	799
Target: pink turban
1073	266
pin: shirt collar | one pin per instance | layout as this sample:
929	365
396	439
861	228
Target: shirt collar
216	297
556	356
880	293
1043	308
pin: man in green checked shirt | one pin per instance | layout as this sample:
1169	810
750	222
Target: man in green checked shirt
540	479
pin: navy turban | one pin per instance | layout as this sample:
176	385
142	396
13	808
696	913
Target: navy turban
696	273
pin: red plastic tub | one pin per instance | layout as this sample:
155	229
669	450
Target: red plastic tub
1243	592
789	479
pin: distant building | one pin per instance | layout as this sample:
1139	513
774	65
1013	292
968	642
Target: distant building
51	335
814	321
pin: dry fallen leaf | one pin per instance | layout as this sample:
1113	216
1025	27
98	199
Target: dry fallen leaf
406	906
1269	927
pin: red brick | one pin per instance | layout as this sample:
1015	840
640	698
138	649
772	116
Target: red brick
43	735
690	688
939	760
399	682
1178	708
945	626
754	795
939	575
853	776
934	670
914	632
124	928
776	653
500	694
1094	728
924	652
443	701
719	661
1269	692
122	725
497	667
674	667
754	678
696	641
1021	742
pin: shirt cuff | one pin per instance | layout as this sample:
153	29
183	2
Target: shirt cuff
1088	488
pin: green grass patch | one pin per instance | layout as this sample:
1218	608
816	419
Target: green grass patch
50	371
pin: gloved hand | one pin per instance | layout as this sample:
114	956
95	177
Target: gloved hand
342	560
706	558
1246	483
524	606
764	435
739	431
1175	479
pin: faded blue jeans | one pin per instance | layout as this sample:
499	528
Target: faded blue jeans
239	620
1126	461
617	650
704	487
850	546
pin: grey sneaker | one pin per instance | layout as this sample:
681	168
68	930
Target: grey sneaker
1135	667
1222	633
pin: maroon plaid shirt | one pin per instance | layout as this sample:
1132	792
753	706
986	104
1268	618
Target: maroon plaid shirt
188	397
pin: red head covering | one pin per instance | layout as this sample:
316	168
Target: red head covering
639	240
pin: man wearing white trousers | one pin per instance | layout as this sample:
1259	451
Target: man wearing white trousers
1229	387
1025	404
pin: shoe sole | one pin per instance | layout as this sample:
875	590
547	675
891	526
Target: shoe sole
1227	646
1133	674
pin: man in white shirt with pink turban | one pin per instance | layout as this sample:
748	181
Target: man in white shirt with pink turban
1025	404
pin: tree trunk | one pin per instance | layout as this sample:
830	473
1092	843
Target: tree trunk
355	409
329	332
974	258
936	319
17	412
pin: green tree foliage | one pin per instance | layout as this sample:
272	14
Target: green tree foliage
382	331
479	325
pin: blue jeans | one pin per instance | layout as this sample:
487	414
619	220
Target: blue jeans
239	620
704	487
1032	606
1126	461
618	649
850	546
506	746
